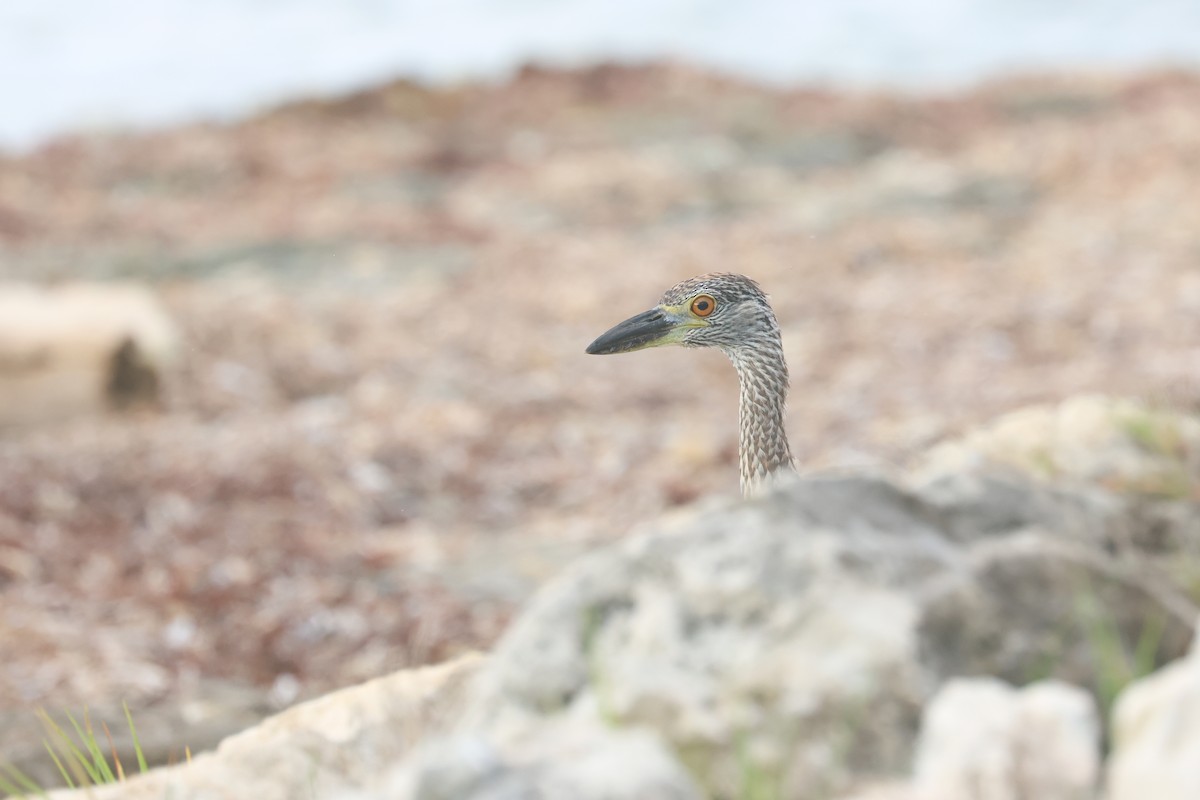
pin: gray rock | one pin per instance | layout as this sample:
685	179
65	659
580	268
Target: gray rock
1032	606
1111	472
796	638
994	501
774	638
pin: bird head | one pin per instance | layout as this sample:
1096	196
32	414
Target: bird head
719	310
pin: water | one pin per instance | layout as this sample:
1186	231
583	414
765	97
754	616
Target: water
67	64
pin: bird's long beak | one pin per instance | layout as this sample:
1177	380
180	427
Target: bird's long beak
649	329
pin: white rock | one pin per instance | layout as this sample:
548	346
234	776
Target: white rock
1089	440
79	349
889	790
340	745
981	739
1156	735
567	759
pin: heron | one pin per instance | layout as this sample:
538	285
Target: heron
729	312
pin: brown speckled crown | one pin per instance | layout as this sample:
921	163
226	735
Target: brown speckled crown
727	285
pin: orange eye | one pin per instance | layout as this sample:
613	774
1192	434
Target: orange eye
703	305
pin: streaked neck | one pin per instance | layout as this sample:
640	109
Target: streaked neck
763	379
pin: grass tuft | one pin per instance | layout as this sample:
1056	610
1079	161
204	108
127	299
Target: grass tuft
137	744
75	749
1118	664
1158	434
15	783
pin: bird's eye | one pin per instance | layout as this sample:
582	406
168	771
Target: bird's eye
703	305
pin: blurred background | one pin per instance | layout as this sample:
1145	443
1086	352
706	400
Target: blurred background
116	63
295	296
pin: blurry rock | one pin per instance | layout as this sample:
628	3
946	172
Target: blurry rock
567	759
986	501
1156	735
1032	605
80	349
332	746
890	790
796	638
1115	443
773	641
984	740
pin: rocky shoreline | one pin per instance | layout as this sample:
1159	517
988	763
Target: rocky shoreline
381	435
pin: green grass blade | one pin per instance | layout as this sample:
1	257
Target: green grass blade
1147	646
1108	649
137	745
16	783
85	756
9	789
70	751
62	770
87	735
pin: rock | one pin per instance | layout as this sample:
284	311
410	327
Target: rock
336	745
1156	735
1109	486
983	739
988	501
797	637
1094	441
889	790
80	349
1115	474
771	639
1031	605
564	759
